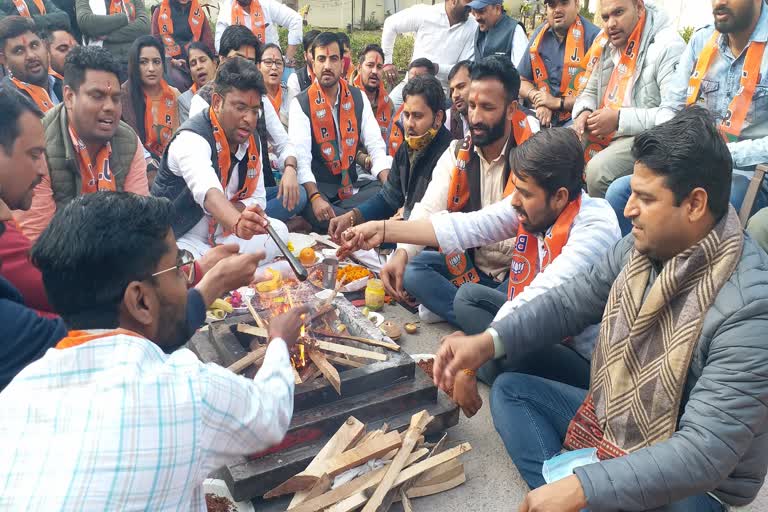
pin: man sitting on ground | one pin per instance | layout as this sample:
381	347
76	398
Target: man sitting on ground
43	13
558	232
303	77
458	83
426	140
629	73
60	42
327	123
24	53
132	420
555	58
470	175
213	169
717	58
368	79
88	147
677	401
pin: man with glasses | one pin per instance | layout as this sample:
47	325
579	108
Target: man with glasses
213	169
133	420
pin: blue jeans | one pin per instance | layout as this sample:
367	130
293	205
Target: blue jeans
619	191
426	279
531	414
275	208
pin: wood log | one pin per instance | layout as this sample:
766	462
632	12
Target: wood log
418	492
440	474
407	507
359	339
419	423
327	369
432	462
296	377
261	323
253	331
250	358
342	361
349	351
344	438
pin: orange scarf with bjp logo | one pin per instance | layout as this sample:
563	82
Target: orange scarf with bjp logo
253	19
621	80
591	58
337	159
165	21
123	7
253	171
94	177
38	94
396	136
573	62
161	118
23	10
383	106
733	122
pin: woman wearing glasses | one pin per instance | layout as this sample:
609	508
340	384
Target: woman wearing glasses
271	67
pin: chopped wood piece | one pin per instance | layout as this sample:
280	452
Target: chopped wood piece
261	323
344	361
418	424
253	331
338	464
418	492
296	376
440	458
349	351
250	358
347	435
354	502
407	507
440	474
367	341
327	369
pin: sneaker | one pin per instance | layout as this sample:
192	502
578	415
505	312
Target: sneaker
427	316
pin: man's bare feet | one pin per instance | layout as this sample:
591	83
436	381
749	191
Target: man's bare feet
466	395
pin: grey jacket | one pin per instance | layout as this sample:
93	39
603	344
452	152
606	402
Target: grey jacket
117	32
721	443
660	50
53	15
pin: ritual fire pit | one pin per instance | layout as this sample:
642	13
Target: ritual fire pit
373	383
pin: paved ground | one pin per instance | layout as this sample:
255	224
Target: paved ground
493	483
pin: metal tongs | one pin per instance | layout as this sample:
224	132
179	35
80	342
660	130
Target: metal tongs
296	266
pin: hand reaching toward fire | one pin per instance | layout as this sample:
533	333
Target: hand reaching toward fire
288	325
365	236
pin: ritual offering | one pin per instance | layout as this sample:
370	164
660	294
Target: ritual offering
307	256
374	294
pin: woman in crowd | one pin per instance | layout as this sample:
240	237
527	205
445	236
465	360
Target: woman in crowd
178	23
202	64
150	105
271	67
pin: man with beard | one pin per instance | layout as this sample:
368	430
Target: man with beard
629	73
725	69
426	139
676	408
558	231
555	58
25	55
60	42
470	175
443	33
497	33
88	148
458	83
328	123
132	419
303	77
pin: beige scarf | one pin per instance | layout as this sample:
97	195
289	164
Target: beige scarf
640	363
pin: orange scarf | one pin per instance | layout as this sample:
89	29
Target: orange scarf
591	58
458	190
733	122
161	118
38	94
255	19
21	6
621	80
338	161
525	259
396	136
225	163
104	180
75	338
383	108
572	62
123	7
54	74
196	19
194	88
277	100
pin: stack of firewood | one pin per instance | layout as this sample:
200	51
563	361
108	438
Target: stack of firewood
412	469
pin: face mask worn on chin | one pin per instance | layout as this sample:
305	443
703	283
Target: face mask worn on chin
419	142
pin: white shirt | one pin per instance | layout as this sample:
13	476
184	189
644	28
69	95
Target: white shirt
275	14
300	132
189	156
519	45
292	89
434	37
595	229
276	134
116	424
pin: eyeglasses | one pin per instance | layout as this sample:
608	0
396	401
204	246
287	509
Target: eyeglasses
270	63
242	109
186	263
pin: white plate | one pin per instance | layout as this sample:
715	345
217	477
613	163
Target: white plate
376	318
219	488
318	260
422	357
300	241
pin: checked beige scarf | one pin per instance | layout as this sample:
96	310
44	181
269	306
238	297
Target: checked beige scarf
646	342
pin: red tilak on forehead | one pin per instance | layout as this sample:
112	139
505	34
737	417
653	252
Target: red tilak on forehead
109	87
24	40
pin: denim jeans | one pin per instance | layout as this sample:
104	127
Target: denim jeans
426	279
619	191
275	208
531	414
